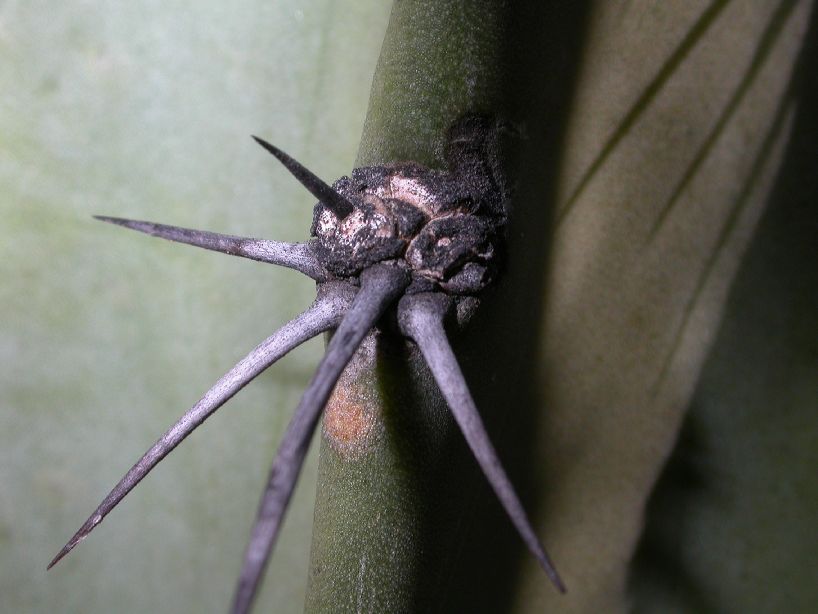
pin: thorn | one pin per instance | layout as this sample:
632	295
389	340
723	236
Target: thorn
420	317
80	535
322	316
380	286
297	256
334	201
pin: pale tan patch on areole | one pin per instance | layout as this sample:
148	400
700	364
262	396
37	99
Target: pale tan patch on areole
408	190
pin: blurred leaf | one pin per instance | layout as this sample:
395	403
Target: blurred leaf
731	526
146	110
679	124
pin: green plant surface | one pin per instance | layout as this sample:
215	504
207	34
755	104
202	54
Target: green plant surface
145	110
661	167
439	61
386	429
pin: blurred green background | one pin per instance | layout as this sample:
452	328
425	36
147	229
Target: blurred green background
145	110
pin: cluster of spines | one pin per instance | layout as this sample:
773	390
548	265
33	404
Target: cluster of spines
350	310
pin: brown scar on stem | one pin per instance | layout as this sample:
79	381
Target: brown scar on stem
351	418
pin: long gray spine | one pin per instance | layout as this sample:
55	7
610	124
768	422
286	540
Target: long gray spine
421	318
323	315
297	256
380	286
